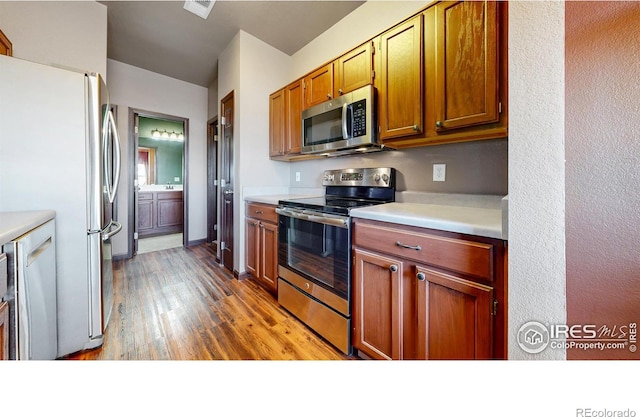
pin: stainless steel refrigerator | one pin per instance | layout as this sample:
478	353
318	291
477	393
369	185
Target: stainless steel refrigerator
59	150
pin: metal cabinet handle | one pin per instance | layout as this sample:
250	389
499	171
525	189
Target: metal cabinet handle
340	91
259	212
415	128
393	268
402	245
421	276
329	96
439	124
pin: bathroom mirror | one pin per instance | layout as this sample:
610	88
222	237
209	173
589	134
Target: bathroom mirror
160	152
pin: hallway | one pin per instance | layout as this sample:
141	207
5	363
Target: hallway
179	304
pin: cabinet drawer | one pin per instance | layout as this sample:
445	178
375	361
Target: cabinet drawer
264	212
459	255
170	195
145	196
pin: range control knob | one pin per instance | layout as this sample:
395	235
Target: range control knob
376	177
385	178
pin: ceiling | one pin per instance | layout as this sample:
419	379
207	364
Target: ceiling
163	37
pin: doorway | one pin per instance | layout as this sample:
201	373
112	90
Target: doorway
226	182
159	193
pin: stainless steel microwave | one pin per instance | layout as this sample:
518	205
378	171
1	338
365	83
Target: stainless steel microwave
346	124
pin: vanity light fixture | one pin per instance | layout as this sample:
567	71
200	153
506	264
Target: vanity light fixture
163	134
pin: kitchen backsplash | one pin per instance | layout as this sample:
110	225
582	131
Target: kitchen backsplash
471	168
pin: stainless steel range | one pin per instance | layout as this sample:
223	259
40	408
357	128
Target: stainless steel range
314	249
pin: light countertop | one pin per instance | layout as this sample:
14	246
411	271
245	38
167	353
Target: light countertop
14	224
476	221
273	199
473	214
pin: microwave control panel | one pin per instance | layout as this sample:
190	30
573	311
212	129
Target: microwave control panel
359	118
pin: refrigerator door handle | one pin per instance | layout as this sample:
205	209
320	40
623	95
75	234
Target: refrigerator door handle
110	233
112	188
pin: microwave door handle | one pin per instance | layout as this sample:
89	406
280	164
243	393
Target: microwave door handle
345	133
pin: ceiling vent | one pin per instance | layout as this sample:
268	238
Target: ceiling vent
200	8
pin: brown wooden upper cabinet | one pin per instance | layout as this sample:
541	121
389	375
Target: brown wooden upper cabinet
285	119
293	117
276	124
399	81
5	45
466	64
353	69
318	86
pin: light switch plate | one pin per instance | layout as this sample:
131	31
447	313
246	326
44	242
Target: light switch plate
439	172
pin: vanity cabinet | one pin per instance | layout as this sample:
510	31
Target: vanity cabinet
261	225
427	294
160	213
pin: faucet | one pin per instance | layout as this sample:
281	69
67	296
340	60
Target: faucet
169	186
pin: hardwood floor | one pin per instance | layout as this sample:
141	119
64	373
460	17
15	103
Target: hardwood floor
179	304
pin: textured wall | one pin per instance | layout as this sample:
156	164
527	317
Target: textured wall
536	169
603	168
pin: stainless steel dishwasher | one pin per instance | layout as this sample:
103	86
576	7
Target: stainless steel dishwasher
32	294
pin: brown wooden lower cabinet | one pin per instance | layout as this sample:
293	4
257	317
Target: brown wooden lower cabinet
407	308
261	251
160	213
4	331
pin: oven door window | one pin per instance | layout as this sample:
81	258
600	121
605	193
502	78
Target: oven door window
316	251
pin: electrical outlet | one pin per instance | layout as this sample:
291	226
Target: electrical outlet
439	172
176	179
297	176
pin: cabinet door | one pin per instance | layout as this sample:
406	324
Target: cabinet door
170	213
466	64
377	305
318	86
293	118
400	81
252	250
353	70
269	255
145	215
454	317
276	123
4	330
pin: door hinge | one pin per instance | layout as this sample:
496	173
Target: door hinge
223	121
222	245
373	74
494	311
499	107
135	129
215	227
135	235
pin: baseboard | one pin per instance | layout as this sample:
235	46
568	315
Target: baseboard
196	242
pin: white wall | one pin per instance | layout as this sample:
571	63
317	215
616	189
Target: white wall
132	87
66	34
253	70
536	169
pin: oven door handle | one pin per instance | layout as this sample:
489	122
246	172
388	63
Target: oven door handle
337	221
